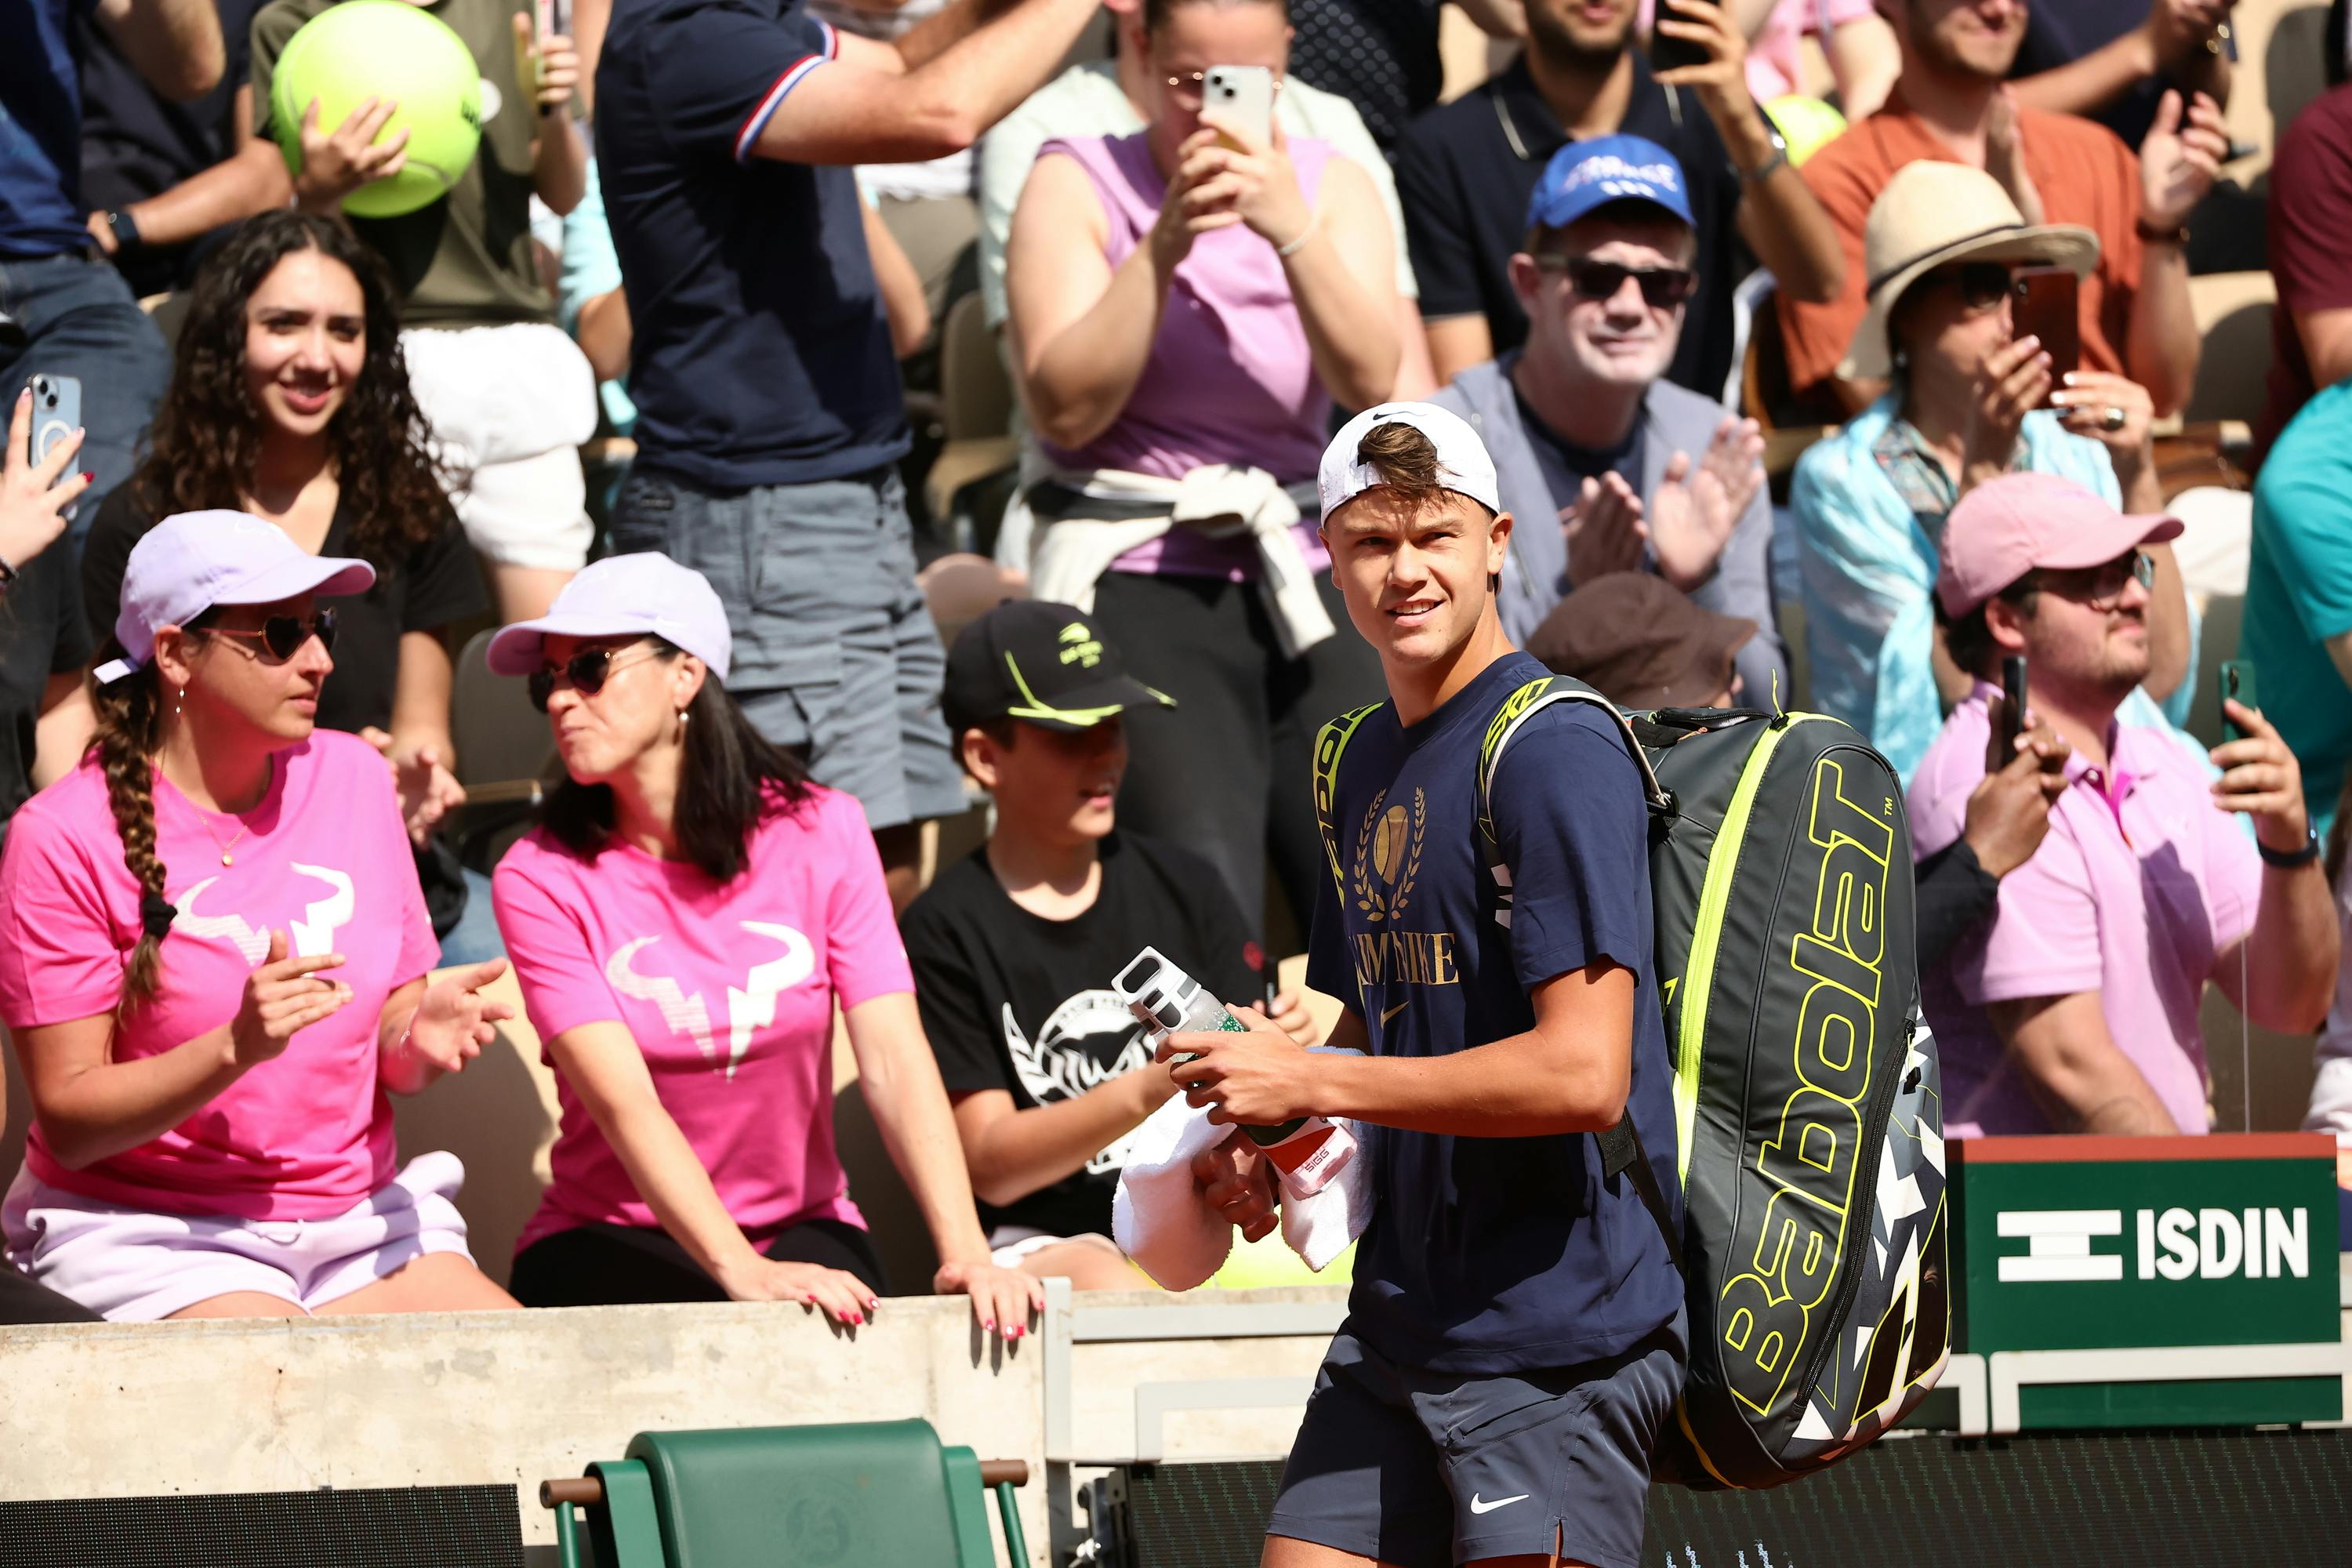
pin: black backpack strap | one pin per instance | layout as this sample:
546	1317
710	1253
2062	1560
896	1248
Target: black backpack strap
1620	1146
1621	1150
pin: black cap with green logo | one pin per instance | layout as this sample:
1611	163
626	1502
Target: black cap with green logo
1041	663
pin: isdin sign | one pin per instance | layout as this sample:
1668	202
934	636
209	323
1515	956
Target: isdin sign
2103	1244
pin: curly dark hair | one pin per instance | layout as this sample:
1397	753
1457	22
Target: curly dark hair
206	435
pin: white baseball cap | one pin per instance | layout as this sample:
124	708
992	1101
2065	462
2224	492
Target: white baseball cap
1463	465
192	560
645	594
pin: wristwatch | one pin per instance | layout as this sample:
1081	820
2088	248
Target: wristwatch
1773	164
2291	859
126	229
2151	234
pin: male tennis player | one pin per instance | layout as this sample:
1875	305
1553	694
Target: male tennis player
1515	1338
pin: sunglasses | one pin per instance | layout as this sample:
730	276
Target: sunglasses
1983	285
282	636
2097	587
1663	287
583	672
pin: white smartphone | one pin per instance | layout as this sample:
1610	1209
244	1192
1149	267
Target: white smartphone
555	16
1243	95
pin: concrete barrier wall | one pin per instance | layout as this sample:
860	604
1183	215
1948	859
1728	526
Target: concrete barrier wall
480	1397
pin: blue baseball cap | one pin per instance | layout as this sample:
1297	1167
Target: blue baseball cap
1583	176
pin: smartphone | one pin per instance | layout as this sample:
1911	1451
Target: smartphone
555	16
57	413
1245	95
1668	53
2238	681
2012	705
2043	305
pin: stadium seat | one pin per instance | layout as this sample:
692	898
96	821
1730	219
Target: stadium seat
875	1492
975	408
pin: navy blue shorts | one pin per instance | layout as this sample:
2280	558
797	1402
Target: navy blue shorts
1426	1469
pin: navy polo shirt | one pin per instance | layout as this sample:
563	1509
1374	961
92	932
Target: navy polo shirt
1464	172
1497	1255
40	130
760	352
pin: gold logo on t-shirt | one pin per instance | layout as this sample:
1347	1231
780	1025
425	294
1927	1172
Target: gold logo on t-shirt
1388	855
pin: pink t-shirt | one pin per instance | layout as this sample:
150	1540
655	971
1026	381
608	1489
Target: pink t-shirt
307	1134
728	989
2140	884
1774	65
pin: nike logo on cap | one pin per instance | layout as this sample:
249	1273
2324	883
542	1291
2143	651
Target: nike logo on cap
1478	1507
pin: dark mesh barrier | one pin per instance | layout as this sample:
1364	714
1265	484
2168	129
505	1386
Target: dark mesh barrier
402	1527
2200	1499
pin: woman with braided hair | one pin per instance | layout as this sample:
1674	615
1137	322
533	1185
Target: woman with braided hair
207	1023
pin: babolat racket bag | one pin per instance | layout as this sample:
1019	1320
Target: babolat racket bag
1809	1119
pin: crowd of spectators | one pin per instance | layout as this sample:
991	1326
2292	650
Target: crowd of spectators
736	233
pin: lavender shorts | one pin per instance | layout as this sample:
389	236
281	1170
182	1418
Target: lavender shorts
136	1266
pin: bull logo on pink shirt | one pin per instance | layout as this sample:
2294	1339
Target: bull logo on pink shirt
749	1010
311	936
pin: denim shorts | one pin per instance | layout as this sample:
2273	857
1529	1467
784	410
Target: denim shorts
835	656
1426	1469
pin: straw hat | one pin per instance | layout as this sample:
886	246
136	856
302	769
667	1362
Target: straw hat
1933	214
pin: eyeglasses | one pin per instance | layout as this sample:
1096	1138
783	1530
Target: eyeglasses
282	636
583	672
2097	587
1663	287
1983	285
1189	90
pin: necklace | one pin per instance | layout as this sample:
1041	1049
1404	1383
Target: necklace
242	829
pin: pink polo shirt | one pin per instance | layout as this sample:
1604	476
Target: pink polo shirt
2140	886
728	989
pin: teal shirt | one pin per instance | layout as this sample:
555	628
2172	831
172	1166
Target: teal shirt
2299	593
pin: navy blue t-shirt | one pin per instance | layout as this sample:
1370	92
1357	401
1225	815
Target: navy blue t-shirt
40	130
1494	1255
762	355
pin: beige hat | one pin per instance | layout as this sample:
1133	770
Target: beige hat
1932	213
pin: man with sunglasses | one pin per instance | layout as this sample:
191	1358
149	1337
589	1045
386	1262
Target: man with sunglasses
1583	425
2076	1010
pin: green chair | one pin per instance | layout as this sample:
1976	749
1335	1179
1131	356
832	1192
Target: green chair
798	1497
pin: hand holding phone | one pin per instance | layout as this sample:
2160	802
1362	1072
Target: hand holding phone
37	488
2012	704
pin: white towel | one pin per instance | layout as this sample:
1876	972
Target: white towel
1160	1221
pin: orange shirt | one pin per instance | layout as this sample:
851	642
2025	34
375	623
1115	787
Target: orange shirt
2086	174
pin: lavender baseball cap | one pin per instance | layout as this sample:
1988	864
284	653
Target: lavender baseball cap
192	560
645	594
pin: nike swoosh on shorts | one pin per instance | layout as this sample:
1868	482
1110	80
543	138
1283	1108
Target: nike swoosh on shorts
1478	1507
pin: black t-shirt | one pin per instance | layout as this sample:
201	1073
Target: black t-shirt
41	633
1497	1255
136	144
1380	55
1464	172
1016	1001
761	353
1566	466
433	586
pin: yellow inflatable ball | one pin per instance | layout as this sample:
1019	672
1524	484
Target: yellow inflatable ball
384	48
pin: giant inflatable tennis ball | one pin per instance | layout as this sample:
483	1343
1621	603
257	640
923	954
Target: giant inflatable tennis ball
1806	124
384	48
